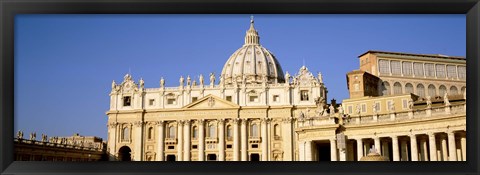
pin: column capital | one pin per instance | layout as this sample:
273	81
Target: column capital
244	122
265	120
186	122
431	134
138	123
160	123
201	121
221	121
332	139
112	124
236	121
288	120
180	122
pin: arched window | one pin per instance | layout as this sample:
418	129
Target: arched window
409	88
171	132
150	133
195	132
397	88
420	90
442	90
276	129
453	90
125	134
432	92
229	131
386	88
254	132
211	131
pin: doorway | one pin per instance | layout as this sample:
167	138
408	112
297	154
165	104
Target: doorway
254	157
171	157
323	151
124	153
211	157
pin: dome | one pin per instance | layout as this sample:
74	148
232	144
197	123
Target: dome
252	63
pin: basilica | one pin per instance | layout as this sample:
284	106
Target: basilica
254	111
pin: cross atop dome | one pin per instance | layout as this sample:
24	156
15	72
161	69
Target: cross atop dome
252	38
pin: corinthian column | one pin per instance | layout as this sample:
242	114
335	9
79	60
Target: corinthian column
221	141
186	144
244	140
287	139
236	140
264	140
201	140
138	140
160	141
112	139
180	140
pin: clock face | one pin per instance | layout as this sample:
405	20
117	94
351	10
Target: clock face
128	87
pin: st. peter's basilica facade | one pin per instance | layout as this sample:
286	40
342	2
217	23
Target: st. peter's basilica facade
253	111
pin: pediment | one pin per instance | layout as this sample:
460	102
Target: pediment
211	102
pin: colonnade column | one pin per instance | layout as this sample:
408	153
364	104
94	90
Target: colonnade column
359	149
180	140
376	141
413	147
452	148
264	140
444	148
404	150
236	140
385	151
160	141
186	144
433	147
138	141
287	139
308	150
221	141
396	156
463	144
333	149
423	149
244	140
201	140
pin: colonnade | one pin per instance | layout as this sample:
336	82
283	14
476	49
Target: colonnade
431	146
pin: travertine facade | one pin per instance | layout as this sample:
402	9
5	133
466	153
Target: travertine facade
256	112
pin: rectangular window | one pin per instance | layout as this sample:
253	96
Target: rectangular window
396	69
194	146
253	98
429	70
151	102
389	105
171	147
418	67
194	99
462	73
170	101
304	95
377	106
254	145
407	68
276	98
229	146
451	71
383	66
127	100
350	109
440	68
364	108
229	98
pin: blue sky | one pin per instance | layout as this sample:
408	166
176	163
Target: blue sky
64	64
